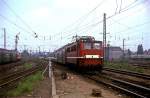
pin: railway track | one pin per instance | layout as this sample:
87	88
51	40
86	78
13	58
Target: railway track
139	63
131	89
10	80
145	66
10	65
140	75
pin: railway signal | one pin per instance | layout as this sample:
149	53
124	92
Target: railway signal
16	40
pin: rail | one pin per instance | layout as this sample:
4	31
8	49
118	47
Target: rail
144	76
129	88
16	76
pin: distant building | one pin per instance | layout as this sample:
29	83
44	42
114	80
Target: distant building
148	52
114	53
145	52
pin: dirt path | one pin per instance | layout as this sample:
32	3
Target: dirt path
75	86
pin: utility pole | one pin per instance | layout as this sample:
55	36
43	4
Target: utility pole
24	47
104	36
123	47
76	37
108	46
39	49
142	38
4	38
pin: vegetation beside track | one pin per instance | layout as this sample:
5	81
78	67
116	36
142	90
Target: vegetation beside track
28	65
26	85
124	66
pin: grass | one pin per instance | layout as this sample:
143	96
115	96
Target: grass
26	85
28	65
124	66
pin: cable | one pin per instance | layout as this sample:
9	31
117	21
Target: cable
129	28
11	22
120	23
131	7
120	6
19	17
139	11
116	6
127	8
92	10
87	26
114	14
83	17
135	26
117	13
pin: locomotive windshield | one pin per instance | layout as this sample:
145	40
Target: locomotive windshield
96	45
92	45
87	45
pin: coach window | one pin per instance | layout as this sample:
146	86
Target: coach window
73	48
57	55
68	49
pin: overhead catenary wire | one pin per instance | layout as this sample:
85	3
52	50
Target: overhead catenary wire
120	6
128	27
110	17
118	20
96	22
116	13
121	11
135	26
92	25
115	21
83	17
18	26
126	7
11	22
116	6
87	15
132	5
4	2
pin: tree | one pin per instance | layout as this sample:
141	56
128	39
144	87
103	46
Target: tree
140	49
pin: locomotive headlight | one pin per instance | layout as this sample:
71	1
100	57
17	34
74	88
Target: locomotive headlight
91	56
101	57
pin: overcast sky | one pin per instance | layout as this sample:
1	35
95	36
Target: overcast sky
56	21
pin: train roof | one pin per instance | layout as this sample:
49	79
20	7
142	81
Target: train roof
64	46
2	49
78	38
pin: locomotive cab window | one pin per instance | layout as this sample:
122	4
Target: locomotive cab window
96	45
92	45
87	45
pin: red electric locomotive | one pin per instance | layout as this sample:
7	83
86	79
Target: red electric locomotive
83	54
